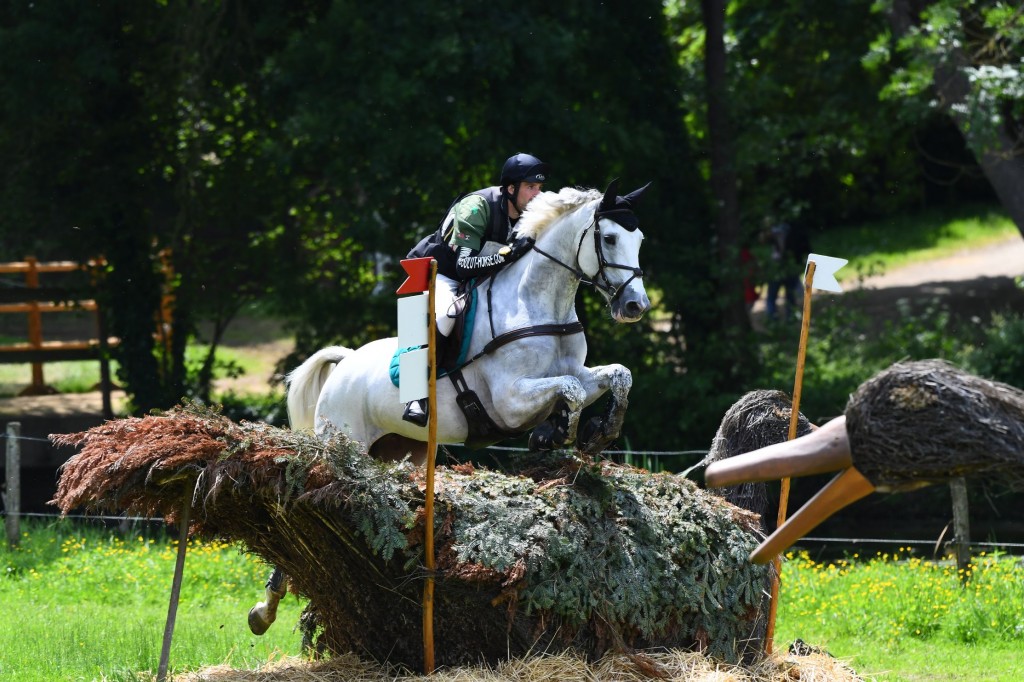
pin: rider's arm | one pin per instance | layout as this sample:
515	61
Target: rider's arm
469	220
471	216
469	265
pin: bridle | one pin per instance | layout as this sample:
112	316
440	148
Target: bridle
600	280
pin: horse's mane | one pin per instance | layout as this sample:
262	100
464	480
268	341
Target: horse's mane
548	206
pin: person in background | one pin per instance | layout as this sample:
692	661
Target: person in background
790	247
750	288
473	220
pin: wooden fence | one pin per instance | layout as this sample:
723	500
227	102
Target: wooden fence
32	299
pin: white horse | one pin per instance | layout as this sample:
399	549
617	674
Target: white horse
527	311
527	351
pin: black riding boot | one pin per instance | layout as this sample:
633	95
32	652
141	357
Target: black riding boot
416	412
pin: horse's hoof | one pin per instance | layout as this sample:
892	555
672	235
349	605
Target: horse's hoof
592	438
542	437
258	624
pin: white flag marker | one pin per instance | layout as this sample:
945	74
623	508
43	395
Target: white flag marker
412	321
412	368
825	268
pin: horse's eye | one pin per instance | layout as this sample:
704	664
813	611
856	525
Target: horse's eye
610	239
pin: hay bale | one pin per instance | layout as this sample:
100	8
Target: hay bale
926	422
639	667
596	557
758	419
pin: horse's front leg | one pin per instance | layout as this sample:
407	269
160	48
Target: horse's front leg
563	397
599	432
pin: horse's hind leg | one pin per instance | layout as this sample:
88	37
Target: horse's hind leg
264	613
600	432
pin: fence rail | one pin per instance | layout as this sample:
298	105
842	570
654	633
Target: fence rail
32	299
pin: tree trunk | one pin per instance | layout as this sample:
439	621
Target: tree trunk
723	166
998	155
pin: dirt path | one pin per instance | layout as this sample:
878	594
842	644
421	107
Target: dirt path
1002	259
968	282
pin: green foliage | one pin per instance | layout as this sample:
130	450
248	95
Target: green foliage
651	552
270	408
813	144
905	238
847	347
377	494
1000	354
982	40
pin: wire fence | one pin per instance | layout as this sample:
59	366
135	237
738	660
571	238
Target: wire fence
642	453
849	541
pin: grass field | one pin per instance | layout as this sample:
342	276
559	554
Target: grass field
905	239
84	603
898	617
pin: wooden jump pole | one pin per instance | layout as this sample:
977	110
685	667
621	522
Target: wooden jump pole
179	567
794	420
428	537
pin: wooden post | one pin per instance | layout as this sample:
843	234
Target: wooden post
102	335
12	501
179	567
428	539
961	526
35	327
794	421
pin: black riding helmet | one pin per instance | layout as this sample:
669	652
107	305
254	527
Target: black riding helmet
522	168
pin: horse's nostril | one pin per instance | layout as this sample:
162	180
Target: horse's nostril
634	309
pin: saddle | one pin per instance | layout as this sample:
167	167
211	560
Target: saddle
450	351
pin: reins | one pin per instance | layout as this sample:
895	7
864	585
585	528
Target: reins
604	286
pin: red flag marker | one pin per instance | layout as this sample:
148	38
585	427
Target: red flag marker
418	271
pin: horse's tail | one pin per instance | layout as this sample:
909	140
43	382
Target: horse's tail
306	381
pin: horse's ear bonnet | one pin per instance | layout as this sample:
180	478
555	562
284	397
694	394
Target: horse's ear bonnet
620	209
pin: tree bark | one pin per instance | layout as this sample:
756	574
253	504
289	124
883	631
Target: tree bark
999	156
723	165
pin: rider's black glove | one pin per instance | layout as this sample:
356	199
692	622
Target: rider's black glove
519	248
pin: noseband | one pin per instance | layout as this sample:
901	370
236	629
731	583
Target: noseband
600	280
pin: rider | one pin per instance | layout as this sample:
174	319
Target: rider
486	215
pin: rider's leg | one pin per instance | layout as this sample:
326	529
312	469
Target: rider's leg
444	298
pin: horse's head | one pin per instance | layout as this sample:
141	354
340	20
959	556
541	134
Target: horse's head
613	264
594	238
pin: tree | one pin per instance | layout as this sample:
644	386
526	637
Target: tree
963	58
723	169
143	143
